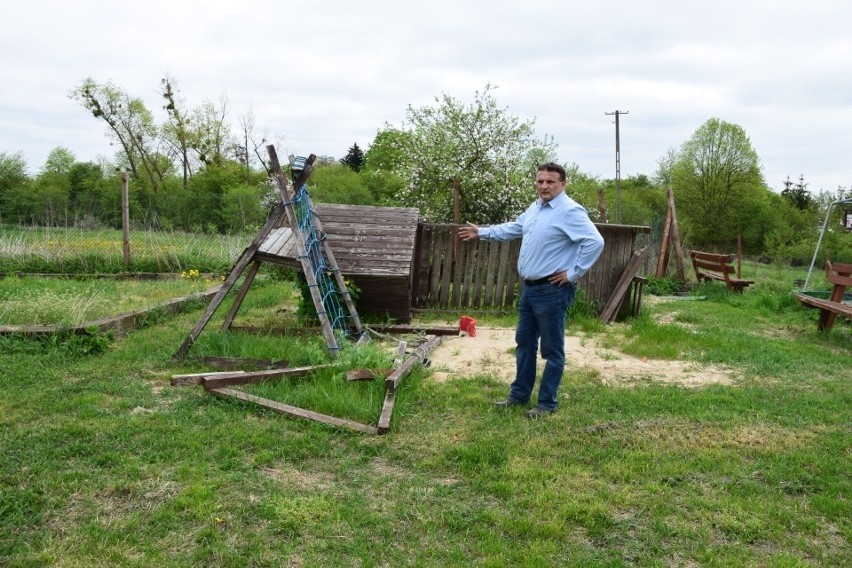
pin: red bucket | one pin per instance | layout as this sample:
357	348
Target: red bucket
468	325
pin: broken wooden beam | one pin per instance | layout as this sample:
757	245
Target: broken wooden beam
236	362
297	412
387	412
420	354
435	330
217	380
192	379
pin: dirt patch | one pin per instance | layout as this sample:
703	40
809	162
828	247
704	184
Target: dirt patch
492	352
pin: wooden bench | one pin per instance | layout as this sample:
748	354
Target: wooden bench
839	276
710	266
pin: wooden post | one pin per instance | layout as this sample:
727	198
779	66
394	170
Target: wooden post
739	256
125	220
456	200
676	237
663	260
602	206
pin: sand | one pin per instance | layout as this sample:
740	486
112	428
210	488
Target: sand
492	351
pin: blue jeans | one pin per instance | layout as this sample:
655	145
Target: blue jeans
541	315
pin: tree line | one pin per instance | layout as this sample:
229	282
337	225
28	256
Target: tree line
454	161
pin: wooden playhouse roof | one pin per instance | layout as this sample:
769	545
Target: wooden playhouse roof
365	240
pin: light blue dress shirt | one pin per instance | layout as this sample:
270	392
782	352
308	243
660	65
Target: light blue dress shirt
557	236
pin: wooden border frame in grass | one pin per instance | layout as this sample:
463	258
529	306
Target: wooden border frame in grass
218	382
121	324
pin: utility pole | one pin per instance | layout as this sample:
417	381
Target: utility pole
617	165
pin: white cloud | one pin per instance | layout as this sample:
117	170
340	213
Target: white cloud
330	73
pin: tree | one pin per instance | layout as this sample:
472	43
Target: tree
717	182
13	178
336	183
472	161
130	124
354	158
386	153
197	137
797	194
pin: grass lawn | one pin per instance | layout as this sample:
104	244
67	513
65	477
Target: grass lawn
68	302
105	464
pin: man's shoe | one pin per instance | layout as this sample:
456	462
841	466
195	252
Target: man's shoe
539	412
509	402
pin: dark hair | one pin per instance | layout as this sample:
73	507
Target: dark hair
553	167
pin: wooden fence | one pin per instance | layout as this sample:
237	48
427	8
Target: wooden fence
450	273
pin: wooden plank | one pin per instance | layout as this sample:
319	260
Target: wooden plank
416	329
838	274
611	308
387	412
458	270
490	275
194	378
435	266
469	250
512	270
281	408
663	260
481	271
502	267
446	268
276	240
235	362
828	310
420	354
419	270
818	303
676	237
216	380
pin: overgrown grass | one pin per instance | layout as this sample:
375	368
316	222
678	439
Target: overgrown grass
68	302
64	250
105	464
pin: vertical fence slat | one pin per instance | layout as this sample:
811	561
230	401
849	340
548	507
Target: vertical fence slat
483	275
469	270
434	270
503	266
512	281
458	270
491	272
446	269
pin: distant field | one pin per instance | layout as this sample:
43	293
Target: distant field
60	301
62	250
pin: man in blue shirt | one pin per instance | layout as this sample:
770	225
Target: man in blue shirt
559	245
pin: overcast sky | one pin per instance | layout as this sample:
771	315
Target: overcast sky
323	75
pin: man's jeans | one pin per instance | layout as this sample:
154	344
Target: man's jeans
541	315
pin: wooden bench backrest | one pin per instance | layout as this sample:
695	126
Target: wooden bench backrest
721	263
838	274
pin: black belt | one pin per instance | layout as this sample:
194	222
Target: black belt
544	280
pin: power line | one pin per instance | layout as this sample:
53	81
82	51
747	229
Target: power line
617	113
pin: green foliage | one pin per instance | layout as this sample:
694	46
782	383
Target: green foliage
306	309
633	470
489	153
719	188
797	194
89	342
354	159
337	183
665	286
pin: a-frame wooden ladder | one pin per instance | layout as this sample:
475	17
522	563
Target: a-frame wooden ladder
284	211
